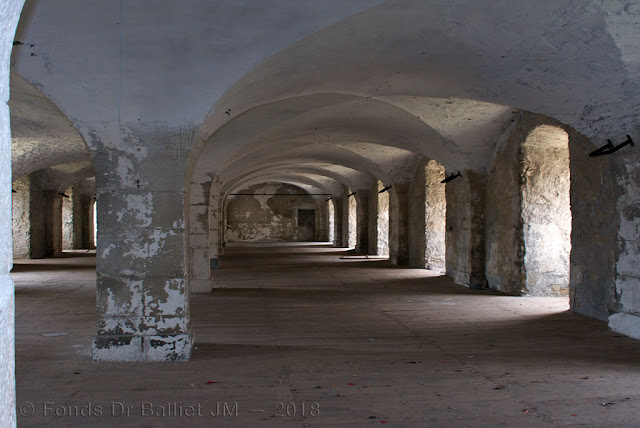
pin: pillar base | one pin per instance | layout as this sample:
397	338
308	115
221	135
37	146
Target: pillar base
626	324
143	348
200	286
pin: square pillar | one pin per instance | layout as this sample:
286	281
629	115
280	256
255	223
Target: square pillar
465	234
399	224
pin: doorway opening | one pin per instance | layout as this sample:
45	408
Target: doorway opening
306	225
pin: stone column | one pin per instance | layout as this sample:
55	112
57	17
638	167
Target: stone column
68	219
465	238
36	218
52	223
82	220
362	240
345	220
399	224
21	206
91	236
338	203
372	205
10	14
417	235
142	298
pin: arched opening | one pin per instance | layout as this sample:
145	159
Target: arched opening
382	221
546	211
352	220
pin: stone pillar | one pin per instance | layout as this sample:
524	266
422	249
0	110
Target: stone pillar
372	205
142	297
10	14
68	219
82	221
465	238
416	203
91	235
52	223
362	240
21	206
435	216
36	218
338	203
399	224
345	220
203	243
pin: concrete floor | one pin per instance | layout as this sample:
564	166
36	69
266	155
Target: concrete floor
358	341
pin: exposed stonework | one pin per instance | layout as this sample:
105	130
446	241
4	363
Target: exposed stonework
382	221
67	219
265	216
435	213
21	204
504	241
352	221
528	210
172	131
331	213
546	213
427	216
626	318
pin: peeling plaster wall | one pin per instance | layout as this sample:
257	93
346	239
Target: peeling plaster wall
266	217
546	212
143	301
21	203
465	238
435	213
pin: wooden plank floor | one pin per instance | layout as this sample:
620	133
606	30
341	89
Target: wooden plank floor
294	336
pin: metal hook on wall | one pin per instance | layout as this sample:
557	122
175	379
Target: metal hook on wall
609	148
451	177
